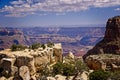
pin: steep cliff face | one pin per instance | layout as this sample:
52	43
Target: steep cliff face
110	43
112	29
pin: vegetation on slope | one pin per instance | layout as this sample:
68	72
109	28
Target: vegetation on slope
18	47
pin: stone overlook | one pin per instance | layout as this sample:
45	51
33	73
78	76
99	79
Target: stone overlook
24	65
109	45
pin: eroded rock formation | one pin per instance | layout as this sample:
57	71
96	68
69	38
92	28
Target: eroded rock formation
24	65
109	45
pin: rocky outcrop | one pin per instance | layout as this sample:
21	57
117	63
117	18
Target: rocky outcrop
24	65
25	61
104	62
71	55
24	73
112	29
67	59
111	41
7	66
109	45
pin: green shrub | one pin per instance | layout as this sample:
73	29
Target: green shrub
35	46
58	68
64	69
80	66
68	69
17	47
45	71
99	75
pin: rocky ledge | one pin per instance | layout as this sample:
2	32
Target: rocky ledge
25	65
104	62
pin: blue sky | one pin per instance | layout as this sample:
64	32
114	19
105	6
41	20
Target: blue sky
24	13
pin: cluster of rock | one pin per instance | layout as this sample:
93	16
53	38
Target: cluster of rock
104	62
109	45
24	65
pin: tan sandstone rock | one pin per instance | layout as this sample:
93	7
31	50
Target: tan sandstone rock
24	73
15	64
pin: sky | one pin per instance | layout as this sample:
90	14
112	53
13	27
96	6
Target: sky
25	13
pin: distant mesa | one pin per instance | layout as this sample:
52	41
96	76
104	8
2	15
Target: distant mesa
9	32
9	36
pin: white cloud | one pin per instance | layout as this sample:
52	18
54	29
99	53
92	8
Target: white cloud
27	7
60	14
18	2
117	9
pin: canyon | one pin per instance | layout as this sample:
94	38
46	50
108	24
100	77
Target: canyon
75	39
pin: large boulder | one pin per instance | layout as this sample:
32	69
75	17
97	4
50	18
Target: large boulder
40	62
71	55
7	66
57	52
26	61
2	78
84	75
24	73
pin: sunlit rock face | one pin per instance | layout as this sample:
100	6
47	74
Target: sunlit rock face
111	41
104	62
27	63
